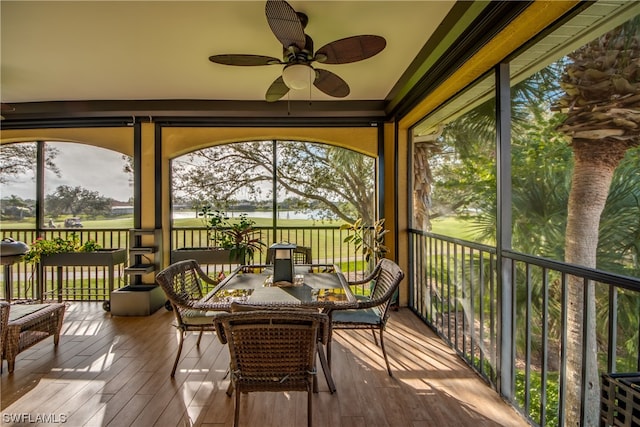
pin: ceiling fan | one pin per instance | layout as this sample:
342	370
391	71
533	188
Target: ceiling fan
288	27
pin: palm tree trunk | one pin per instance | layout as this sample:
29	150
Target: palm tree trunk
422	180
594	166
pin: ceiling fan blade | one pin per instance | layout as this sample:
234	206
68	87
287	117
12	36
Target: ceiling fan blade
5	108
244	60
285	24
350	49
277	90
331	84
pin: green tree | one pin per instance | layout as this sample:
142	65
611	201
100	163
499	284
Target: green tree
337	181
16	207
562	188
75	201
19	158
601	103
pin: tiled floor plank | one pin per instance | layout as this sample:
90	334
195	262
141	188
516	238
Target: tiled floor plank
114	371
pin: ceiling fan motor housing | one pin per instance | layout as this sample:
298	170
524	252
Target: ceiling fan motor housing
293	53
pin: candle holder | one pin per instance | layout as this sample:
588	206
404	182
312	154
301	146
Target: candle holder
283	267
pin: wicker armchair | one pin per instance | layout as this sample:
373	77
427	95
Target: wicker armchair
272	350
25	325
373	312
182	283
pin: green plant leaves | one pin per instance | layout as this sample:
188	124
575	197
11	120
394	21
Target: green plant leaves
58	245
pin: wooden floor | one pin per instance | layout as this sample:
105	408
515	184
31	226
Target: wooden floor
114	371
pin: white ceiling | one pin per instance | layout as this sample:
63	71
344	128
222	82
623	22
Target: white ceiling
147	50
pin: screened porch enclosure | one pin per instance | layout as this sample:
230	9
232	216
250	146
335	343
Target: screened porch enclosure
504	161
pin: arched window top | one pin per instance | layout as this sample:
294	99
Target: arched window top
328	182
178	141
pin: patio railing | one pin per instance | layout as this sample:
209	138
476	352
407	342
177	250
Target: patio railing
326	243
454	287
90	283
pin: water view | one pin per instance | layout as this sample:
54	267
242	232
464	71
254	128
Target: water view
254	214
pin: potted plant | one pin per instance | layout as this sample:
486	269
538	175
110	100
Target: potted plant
59	252
370	240
367	238
69	251
231	241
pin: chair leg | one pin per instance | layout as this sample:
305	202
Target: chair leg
236	415
373	332
384	352
11	361
329	337
327	372
328	345
199	337
309	408
175	364
58	327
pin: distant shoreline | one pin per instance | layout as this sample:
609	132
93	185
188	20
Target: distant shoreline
288	214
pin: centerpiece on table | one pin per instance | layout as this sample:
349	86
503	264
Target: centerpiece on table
232	242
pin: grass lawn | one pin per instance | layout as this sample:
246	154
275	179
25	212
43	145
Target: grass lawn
264	222
448	226
454	227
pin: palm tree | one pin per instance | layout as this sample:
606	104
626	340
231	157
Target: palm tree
601	102
600	98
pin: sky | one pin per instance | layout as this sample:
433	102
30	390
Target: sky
95	169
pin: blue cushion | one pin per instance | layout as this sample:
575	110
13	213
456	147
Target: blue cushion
198	317
18	311
367	316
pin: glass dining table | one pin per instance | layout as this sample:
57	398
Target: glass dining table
314	286
318	286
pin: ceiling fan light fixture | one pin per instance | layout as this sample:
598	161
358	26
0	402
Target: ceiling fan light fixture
298	76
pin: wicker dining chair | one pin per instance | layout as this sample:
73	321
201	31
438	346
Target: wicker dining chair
372	312
241	306
272	350
182	284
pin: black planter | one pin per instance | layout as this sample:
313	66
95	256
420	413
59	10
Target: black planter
203	255
136	300
101	257
106	257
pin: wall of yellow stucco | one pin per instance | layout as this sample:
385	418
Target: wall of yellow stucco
119	139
